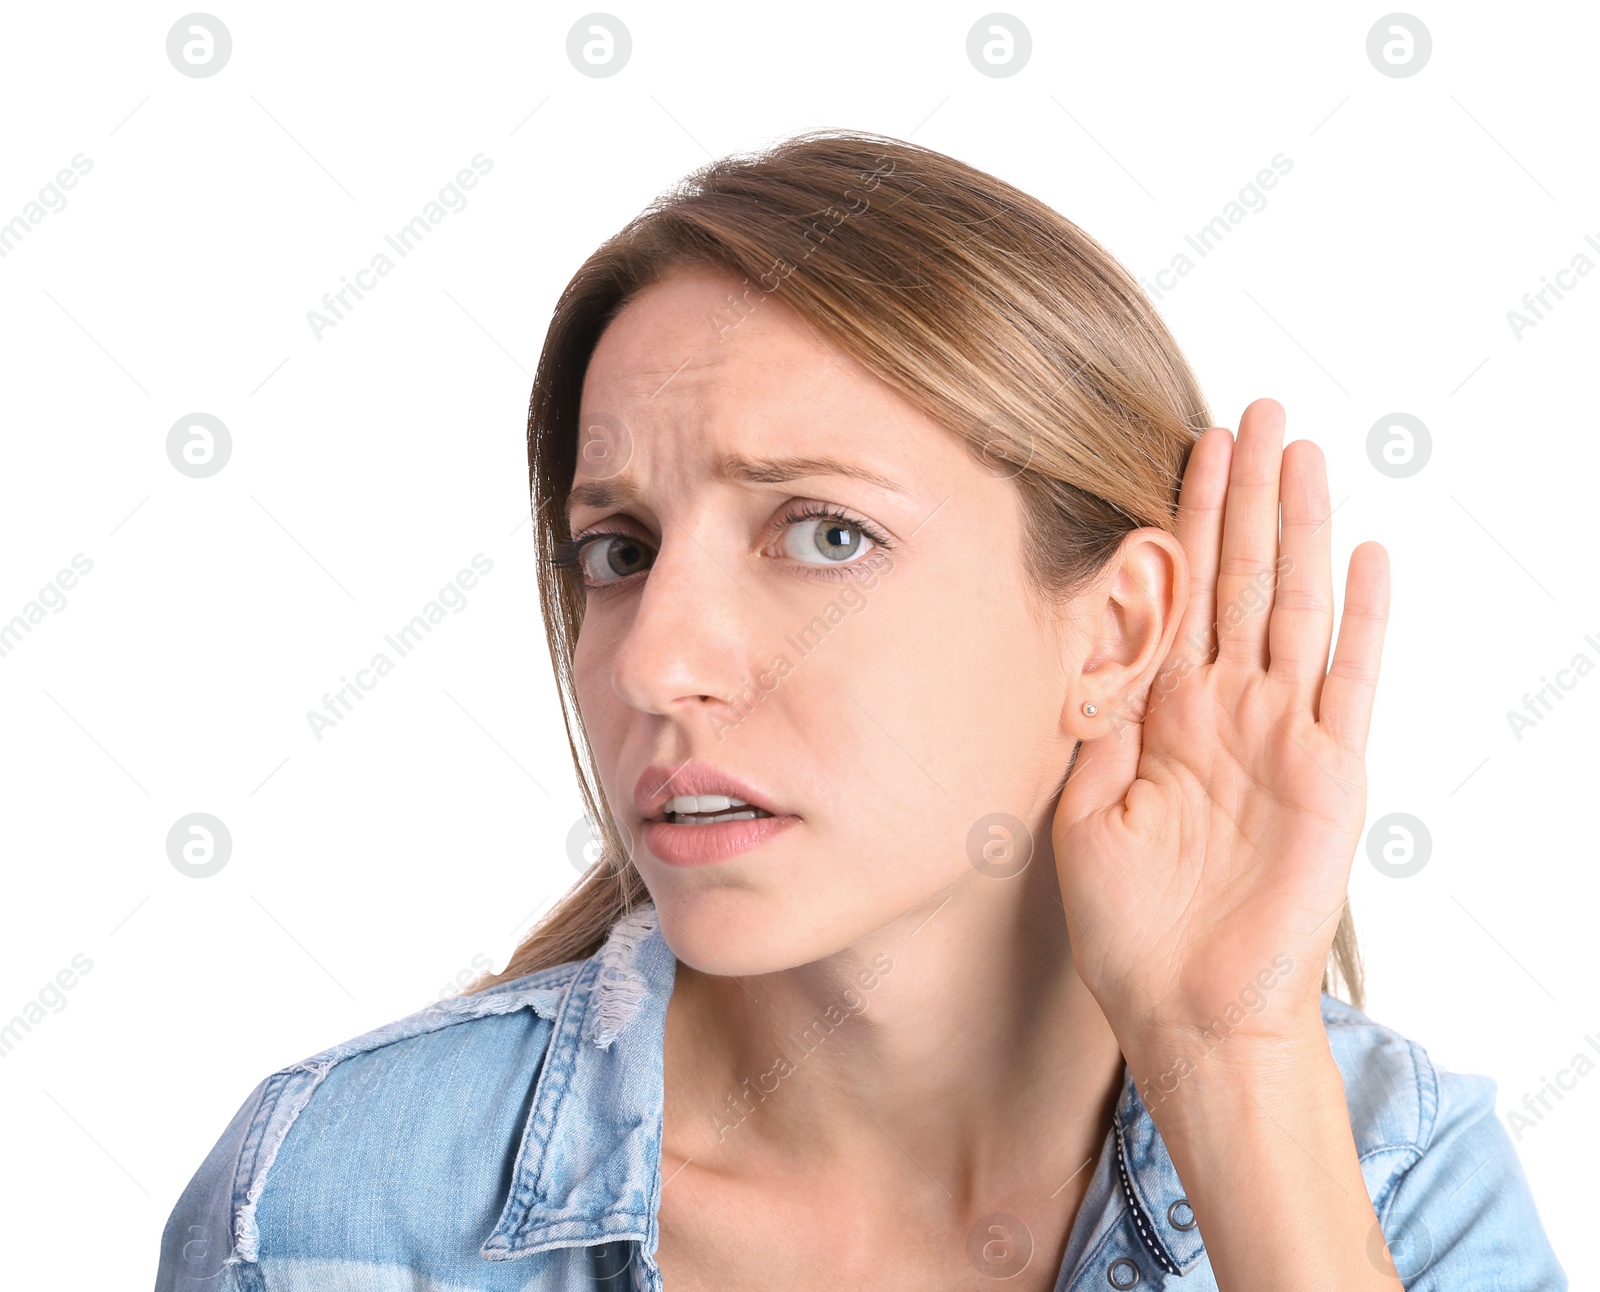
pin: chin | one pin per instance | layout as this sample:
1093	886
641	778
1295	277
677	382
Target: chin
732	932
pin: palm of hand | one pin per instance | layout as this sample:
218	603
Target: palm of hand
1209	833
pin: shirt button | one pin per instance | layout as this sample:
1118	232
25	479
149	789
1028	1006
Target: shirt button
1181	1214
1123	1273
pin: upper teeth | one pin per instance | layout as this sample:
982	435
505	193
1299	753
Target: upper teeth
682	803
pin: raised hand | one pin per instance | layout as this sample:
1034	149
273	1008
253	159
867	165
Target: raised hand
1208	836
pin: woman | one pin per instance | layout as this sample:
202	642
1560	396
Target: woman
977	798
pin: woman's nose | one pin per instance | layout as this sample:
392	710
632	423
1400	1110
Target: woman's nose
687	642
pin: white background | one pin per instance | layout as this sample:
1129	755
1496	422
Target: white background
371	464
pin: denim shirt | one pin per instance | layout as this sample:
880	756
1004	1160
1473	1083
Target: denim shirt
511	1140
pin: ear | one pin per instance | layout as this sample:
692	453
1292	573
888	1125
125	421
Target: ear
1126	622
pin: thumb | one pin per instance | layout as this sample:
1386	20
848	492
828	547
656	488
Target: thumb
1102	772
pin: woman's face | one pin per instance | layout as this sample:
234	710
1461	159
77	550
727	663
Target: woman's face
876	677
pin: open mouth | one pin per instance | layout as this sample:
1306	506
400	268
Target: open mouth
715	829
711	818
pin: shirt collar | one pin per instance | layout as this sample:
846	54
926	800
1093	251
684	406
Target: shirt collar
588	1170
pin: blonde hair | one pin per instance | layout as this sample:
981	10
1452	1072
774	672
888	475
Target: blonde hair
991	313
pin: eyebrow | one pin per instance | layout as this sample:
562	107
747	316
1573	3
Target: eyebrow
606	494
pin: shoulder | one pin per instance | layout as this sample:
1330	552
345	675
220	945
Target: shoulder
1454	1205
376	1114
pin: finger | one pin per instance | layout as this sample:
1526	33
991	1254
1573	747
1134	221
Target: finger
1104	769
1346	707
1302	599
1199	529
1250	537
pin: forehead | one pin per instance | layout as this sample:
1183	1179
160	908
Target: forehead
700	364
702	334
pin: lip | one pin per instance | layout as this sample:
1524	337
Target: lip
659	782
704	845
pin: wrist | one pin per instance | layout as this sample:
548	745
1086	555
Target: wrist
1276	1016
1194	1071
1260	1137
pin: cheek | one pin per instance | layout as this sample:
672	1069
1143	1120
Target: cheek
587	680
917	725
592	658
974	704
954	672
603	714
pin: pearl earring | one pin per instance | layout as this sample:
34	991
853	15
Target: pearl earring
1089	708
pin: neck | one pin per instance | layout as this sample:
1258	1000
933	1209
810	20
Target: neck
957	1043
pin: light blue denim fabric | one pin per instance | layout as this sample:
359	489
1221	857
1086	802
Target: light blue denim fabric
511	1140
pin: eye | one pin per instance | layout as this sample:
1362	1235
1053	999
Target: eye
606	557
837	541
598	555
